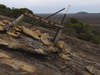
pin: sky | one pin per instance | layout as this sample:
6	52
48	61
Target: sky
51	6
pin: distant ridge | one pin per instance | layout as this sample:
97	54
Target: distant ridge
82	13
85	13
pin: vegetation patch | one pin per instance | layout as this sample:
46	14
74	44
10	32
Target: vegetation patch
73	26
81	30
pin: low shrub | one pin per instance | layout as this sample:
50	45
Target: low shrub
81	30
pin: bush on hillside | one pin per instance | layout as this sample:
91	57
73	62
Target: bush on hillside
73	20
12	12
85	36
81	30
43	24
17	12
96	39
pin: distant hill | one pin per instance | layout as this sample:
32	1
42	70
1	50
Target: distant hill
82	13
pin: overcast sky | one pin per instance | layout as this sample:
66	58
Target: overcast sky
51	6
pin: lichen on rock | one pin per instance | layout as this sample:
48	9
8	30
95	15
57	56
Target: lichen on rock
31	40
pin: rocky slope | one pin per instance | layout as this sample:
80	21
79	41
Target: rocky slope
84	58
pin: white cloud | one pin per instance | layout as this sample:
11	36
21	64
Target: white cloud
51	5
18	3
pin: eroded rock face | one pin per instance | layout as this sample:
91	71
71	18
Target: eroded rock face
25	43
16	64
1	23
19	63
45	40
6	21
1	28
30	40
65	50
93	70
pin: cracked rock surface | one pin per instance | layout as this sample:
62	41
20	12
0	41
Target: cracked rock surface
84	58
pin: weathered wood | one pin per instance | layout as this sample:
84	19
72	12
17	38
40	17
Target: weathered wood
51	15
44	20
60	30
57	36
19	19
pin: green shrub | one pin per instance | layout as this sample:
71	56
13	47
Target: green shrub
96	39
85	36
2	6
12	12
81	30
67	24
17	12
42	24
73	20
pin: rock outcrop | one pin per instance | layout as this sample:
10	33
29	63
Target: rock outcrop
31	40
26	55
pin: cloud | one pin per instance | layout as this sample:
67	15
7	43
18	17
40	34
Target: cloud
53	5
84	2
40	3
18	3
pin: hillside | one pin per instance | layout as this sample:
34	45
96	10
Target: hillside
84	58
92	19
